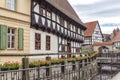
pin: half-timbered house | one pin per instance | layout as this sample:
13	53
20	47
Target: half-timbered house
92	34
116	41
55	27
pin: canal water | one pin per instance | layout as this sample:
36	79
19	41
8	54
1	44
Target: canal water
106	73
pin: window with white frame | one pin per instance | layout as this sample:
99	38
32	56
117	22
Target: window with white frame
11	4
11	38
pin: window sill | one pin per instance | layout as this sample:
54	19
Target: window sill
14	11
11	49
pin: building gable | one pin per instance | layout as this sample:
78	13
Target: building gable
97	34
90	28
97	30
93	31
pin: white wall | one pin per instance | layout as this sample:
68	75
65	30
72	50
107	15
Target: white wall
97	37
96	48
53	47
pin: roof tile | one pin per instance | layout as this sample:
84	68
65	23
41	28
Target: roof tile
90	28
117	37
102	43
66	8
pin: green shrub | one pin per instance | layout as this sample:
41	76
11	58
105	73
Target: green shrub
10	65
85	51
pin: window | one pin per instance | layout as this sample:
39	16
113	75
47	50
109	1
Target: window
61	21
43	12
65	23
77	50
49	14
76	30
37	41
47	42
73	28
53	16
11	4
97	32
58	19
68	25
63	48
11	38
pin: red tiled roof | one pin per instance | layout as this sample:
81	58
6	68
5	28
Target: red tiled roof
66	8
102	43
117	37
90	28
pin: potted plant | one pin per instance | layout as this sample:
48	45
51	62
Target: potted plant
10	66
62	61
71	59
33	64
78	58
55	61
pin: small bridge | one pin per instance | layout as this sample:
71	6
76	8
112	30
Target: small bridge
108	65
109	58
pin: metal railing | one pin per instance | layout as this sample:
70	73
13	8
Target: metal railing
51	73
109	58
78	70
108	65
111	54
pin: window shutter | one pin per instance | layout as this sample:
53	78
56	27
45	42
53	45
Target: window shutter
20	38
3	37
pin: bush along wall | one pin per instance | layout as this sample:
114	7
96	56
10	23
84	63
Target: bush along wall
60	60
10	66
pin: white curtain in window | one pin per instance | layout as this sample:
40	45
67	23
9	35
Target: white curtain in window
11	4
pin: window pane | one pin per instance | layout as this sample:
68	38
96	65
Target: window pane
63	48
47	42
48	14
13	31
11	4
43	11
53	16
8	44
37	41
8	38
12	45
8	30
11	38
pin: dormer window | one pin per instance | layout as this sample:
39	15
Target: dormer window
11	4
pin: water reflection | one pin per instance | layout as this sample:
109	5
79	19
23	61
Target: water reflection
106	73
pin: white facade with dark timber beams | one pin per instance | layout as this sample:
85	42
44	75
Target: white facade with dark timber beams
97	35
93	33
53	30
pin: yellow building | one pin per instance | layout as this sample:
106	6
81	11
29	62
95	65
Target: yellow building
39	26
14	26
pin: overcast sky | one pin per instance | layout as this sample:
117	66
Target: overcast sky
107	12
